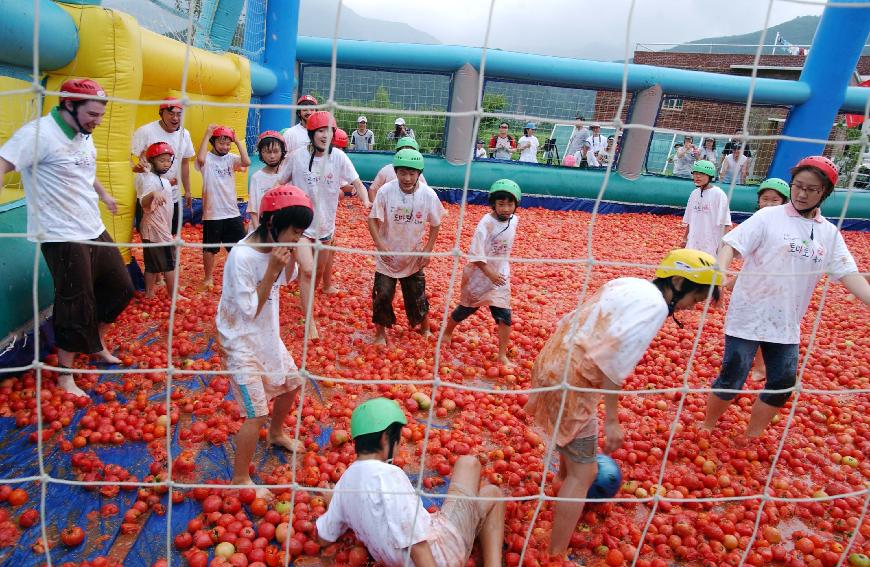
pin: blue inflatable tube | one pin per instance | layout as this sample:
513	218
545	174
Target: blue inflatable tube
58	36
563	71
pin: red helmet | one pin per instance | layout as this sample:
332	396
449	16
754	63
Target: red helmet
271	134
223	131
339	140
284	196
320	119
170	103
158	149
822	163
75	87
306	99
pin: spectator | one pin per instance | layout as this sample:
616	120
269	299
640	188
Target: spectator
735	142
734	167
480	152
585	157
362	139
606	155
580	135
708	150
685	157
596	140
168	129
502	145
528	144
400	131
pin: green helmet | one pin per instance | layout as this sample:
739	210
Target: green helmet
374	416
705	167
407	142
778	185
406	157
508	186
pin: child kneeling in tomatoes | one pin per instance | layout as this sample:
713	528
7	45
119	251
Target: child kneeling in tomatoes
486	277
375	499
248	323
597	346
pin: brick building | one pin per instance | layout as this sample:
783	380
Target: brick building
680	113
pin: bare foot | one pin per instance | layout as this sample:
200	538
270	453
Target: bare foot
68	384
283	440
313	334
757	375
380	340
108	357
504	361
259	491
447	339
206	285
331	290
150	295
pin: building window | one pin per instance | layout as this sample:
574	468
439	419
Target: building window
672	103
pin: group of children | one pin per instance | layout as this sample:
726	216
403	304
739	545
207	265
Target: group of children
595	346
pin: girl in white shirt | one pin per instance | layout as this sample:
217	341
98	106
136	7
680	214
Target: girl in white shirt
528	144
248	324
272	149
785	250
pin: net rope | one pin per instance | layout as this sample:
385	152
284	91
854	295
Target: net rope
455	254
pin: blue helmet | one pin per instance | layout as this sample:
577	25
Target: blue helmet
608	481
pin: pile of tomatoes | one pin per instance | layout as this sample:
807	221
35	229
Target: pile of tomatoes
806	499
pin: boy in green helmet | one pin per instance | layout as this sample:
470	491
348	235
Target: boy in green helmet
387	173
375	499
397	223
486	277
707	215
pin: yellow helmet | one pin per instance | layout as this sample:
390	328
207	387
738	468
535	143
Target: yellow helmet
693	265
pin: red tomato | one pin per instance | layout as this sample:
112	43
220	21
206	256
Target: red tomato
72	536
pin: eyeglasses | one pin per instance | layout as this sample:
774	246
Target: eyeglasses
811	189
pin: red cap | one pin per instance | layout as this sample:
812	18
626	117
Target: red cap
320	119
80	86
158	149
271	134
223	131
822	163
284	196
306	99
339	140
170	102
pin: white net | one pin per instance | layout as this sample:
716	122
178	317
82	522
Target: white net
150	458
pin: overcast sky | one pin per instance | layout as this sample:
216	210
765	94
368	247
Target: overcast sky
593	29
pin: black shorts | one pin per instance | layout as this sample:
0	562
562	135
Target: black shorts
91	286
500	314
223	231
413	294
158	259
177	213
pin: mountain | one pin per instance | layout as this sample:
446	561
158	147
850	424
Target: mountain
317	19
799	31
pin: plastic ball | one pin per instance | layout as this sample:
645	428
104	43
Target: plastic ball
608	481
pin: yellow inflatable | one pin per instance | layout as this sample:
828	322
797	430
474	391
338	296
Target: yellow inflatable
135	64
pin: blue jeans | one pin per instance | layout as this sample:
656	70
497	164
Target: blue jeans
781	362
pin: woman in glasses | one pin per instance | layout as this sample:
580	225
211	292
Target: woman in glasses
786	249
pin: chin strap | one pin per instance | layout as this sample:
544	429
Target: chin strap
676	296
802	211
74	114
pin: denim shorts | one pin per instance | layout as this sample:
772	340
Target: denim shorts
580	450
780	361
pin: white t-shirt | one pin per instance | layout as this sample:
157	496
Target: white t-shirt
776	240
251	343
623	322
731	168
61	197
377	501
403	219
706	213
491	238
156	225
259	183
480	153
529	154
296	137
324	191
591	160
219	186
180	141
387	174
598	142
